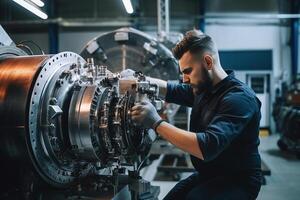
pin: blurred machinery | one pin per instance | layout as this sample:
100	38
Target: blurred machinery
286	113
65	123
129	48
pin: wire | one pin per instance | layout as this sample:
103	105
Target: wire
141	164
25	47
31	42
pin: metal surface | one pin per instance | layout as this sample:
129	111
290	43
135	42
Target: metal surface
79	121
5	40
47	137
16	78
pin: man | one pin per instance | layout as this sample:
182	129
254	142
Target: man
223	140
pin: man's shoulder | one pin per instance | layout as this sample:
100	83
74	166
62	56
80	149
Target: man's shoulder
240	94
241	88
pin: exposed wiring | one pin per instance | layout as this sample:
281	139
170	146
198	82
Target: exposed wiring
142	163
31	42
27	48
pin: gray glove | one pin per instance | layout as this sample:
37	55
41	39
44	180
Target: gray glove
145	114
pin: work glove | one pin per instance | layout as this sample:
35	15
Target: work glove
145	114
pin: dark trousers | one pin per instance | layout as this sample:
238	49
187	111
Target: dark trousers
218	188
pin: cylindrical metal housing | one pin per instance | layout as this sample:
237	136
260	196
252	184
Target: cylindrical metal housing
17	74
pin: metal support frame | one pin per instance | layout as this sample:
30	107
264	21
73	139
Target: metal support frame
163	19
202	14
5	40
295	7
52	28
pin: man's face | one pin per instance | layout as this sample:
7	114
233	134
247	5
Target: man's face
194	69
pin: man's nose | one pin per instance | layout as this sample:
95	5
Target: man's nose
185	78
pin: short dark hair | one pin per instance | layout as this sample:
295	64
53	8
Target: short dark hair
194	41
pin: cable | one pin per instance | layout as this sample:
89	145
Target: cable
25	47
31	42
141	164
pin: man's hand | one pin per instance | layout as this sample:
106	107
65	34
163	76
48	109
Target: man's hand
145	114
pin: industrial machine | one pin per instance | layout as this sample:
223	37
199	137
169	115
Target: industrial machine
286	113
66	131
128	48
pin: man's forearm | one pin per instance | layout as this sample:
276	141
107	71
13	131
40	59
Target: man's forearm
185	140
161	84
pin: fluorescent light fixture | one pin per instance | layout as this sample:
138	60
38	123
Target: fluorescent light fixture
31	8
128	6
39	3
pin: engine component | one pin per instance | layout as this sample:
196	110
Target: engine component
67	117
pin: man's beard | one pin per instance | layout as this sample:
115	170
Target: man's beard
205	84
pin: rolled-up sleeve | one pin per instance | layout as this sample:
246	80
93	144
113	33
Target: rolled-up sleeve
233	115
181	94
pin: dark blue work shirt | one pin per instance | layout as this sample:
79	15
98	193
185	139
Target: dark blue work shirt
226	120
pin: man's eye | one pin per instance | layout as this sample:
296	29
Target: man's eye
187	70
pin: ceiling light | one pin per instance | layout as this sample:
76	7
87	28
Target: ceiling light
128	6
31	8
39	3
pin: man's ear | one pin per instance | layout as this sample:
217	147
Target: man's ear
209	61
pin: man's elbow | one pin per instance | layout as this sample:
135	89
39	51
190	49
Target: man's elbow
196	151
200	156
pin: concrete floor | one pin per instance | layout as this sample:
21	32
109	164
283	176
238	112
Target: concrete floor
283	184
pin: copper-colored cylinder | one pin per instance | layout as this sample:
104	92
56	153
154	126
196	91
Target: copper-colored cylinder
17	75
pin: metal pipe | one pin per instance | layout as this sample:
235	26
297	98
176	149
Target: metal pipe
163	19
52	29
125	21
202	12
295	6
16	77
248	16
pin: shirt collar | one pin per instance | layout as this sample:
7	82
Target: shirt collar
223	82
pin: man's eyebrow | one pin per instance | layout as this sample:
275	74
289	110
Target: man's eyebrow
186	70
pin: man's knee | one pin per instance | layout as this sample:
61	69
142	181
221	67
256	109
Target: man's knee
197	193
218	189
180	190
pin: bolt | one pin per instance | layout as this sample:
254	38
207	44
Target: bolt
52	126
58	82
53	101
73	66
64	73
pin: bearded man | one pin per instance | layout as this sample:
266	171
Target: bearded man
223	137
